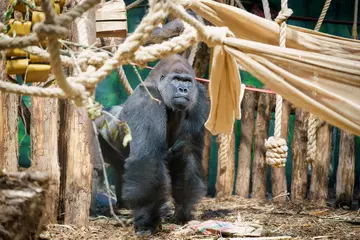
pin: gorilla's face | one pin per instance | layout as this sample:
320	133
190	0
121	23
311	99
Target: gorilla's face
175	80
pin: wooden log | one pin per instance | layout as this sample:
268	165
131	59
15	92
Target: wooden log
245	149
22	204
299	165
261	134
77	143
320	167
9	150
226	166
44	148
345	177
278	175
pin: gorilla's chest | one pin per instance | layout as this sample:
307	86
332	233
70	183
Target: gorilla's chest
174	124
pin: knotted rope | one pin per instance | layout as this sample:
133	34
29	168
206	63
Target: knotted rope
313	121
276	147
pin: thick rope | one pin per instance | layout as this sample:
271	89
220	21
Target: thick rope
354	27
276	147
313	122
124	81
322	15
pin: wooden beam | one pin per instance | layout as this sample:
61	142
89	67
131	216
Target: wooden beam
345	177
320	167
299	165
9	149
226	166
245	149
261	134
44	148
77	143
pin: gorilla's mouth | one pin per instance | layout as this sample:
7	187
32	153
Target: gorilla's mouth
181	102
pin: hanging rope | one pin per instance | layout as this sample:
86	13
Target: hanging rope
276	147
322	15
354	28
313	122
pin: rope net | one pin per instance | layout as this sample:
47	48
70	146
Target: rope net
315	71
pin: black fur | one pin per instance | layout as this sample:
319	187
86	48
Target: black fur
165	153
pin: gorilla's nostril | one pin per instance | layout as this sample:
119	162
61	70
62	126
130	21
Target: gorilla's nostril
183	90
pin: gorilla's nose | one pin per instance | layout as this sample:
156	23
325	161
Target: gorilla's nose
183	90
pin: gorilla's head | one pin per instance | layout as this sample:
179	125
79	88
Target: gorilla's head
175	80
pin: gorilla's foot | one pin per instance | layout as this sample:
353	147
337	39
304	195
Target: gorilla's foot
182	215
146	223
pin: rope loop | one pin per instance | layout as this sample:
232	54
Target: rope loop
276	151
213	36
284	14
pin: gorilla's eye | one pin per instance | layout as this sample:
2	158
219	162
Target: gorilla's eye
162	77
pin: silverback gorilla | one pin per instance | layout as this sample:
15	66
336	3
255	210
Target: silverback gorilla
166	149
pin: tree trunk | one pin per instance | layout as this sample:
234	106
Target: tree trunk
22	205
299	165
44	148
320	167
226	166
261	134
77	142
206	154
345	177
247	133
9	150
278	175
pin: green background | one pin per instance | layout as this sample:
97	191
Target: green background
111	92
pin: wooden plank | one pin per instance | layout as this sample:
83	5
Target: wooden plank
299	165
245	149
44	148
320	167
9	102
345	177
261	134
278	175
226	166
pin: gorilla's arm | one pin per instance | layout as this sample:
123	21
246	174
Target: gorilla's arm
145	181
185	160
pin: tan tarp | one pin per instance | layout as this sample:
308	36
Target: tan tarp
317	72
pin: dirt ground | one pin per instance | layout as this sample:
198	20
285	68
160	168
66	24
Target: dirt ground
298	221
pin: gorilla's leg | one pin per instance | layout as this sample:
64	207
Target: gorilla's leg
145	189
187	185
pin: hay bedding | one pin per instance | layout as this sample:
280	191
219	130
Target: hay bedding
300	221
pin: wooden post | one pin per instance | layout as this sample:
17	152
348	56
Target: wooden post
345	177
9	150
278	175
299	165
320	167
78	142
261	134
226	166
44	148
247	133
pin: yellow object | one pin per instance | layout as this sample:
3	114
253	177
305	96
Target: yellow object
15	52
19	28
37	59
37	73
39	16
111	20
16	66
